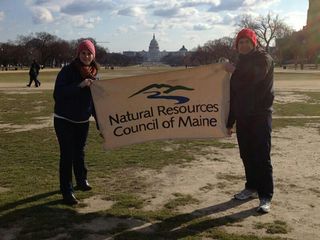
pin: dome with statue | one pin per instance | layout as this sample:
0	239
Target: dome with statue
154	55
183	49
154	46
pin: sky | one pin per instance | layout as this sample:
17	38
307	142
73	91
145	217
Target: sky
128	25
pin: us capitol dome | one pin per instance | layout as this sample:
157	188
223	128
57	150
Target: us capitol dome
154	52
154	55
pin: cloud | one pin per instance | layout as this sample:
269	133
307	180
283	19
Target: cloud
41	15
125	29
197	3
131	11
83	6
187	12
181	3
175	11
159	4
169	12
82	22
229	5
202	27
42	2
2	15
163	25
228	19
52	6
259	3
233	5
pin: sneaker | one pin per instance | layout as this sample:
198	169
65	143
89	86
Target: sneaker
83	186
70	199
246	194
264	206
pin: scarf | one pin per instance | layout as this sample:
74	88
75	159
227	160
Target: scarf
89	71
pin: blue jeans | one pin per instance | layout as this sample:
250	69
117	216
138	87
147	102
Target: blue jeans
72	140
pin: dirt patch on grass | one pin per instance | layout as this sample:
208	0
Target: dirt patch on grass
21	88
3	190
290	97
296	202
95	204
215	177
41	122
303	85
108	224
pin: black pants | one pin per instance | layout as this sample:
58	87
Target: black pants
35	79
72	140
254	139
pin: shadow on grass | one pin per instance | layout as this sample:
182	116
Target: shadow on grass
27	200
43	216
189	224
40	216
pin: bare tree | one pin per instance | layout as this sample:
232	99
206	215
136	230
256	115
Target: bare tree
212	51
247	21
62	54
48	49
39	46
267	28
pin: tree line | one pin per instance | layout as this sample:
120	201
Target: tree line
284	44
50	50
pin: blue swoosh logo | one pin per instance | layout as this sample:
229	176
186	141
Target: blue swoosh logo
156	94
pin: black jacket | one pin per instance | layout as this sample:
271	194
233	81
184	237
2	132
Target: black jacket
71	101
34	69
251	86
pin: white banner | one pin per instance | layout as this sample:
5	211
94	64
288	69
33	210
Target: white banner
190	103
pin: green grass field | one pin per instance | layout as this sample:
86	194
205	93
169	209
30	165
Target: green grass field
29	197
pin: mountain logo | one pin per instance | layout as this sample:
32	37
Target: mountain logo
162	91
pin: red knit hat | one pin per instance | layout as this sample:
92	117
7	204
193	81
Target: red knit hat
86	45
247	33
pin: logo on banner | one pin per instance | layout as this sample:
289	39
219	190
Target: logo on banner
164	91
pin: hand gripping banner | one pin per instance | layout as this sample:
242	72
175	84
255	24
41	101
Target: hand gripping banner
182	104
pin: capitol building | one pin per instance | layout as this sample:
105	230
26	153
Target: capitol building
154	54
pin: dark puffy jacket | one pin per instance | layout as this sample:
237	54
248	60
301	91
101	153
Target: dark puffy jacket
251	86
71	101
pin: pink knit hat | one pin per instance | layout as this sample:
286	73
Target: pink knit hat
247	33
86	45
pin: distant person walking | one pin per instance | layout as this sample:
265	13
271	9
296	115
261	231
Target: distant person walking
33	74
72	110
251	99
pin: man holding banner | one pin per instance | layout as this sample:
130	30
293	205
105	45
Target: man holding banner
251	99
194	103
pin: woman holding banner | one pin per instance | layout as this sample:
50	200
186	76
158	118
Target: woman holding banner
72	110
251	99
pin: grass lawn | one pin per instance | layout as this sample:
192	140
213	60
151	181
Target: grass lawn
49	75
29	197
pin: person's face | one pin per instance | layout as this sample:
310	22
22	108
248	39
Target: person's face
86	57
245	46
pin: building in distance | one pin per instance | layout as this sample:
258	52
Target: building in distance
302	46
154	55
